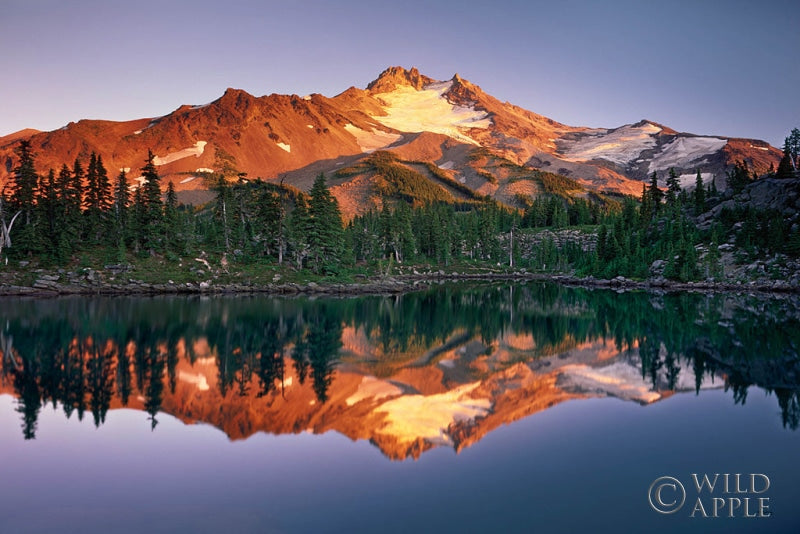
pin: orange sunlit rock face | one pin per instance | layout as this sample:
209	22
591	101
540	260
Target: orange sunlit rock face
487	145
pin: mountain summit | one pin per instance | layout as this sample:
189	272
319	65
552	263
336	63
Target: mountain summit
449	132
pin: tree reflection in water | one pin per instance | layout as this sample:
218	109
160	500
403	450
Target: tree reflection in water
102	353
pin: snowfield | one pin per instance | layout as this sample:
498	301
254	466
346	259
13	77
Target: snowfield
623	380
373	388
620	146
285	147
683	151
428	416
369	142
688	180
196	151
410	110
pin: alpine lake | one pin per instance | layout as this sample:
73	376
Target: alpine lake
462	408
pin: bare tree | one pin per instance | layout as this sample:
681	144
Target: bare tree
5	231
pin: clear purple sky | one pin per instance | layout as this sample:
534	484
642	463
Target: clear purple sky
720	68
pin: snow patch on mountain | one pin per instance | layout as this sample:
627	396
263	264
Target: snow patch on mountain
429	416
371	141
372	388
285	147
620	379
620	146
681	152
196	151
187	180
688	180
427	110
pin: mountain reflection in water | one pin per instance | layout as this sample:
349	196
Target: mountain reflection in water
437	368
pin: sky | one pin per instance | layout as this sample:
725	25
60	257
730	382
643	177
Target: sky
708	67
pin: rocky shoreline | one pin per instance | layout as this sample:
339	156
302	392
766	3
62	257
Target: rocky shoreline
55	284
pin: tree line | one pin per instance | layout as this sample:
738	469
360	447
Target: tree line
53	217
83	354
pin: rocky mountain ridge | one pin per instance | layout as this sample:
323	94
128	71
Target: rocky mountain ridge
440	122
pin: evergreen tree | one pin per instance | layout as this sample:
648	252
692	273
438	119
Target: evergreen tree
222	208
68	214
602	244
326	234
271	219
299	230
646	206
793	145
49	208
73	199
90	200
22	187
154	227
139	224
738	177
655	194
172	218
121	203
98	199
404	232
786	167
699	195
673	187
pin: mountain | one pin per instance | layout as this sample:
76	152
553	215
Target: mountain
448	132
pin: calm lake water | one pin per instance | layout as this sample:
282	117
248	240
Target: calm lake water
532	408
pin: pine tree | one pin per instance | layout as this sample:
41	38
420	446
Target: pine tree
699	194
602	244
98	199
121	203
73	199
673	187
299	230
786	167
326	234
154	228
655	194
49	207
172	218
793	144
271	219
646	207
68	224
22	197
139	224
22	187
405	233
738	177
